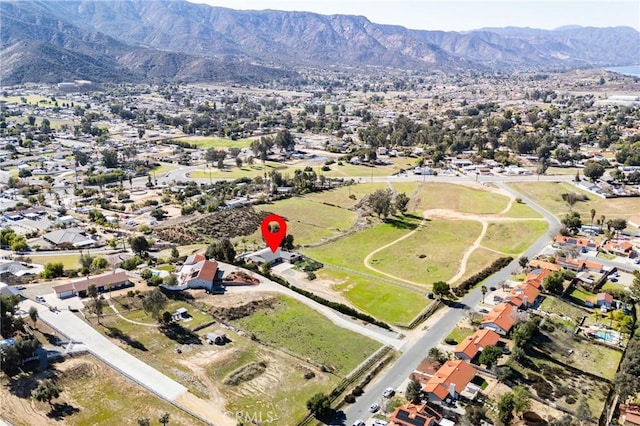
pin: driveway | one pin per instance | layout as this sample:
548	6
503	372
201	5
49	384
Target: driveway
77	330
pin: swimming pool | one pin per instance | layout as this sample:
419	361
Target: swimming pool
608	336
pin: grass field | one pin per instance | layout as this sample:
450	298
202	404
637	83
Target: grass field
457	197
346	196
302	209
579	296
309	334
387	302
258	169
519	210
552	304
432	254
549	196
163	168
104	397
479	259
206	143
351	251
362	171
513	237
70	261
280	393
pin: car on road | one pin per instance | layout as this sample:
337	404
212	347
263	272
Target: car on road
637	261
492	289
40	299
388	392
378	422
20	287
359	423
374	407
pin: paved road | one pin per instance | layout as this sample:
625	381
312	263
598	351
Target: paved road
77	330
412	356
381	335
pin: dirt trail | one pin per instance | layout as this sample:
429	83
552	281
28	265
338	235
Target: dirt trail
447	214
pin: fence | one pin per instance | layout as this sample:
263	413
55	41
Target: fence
422	316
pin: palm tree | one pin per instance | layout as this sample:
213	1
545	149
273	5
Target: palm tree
164	419
593	215
483	290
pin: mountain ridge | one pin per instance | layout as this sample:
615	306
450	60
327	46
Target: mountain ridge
181	41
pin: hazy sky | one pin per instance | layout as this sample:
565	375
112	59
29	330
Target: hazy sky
463	15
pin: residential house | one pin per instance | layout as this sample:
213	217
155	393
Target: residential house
273	258
199	275
581	243
16	272
74	237
471	345
112	280
630	414
414	415
501	319
602	300
449	381
619	248
579	265
6	290
525	294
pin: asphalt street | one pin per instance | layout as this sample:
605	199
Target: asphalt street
413	355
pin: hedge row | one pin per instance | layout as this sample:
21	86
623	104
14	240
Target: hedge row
470	282
343	309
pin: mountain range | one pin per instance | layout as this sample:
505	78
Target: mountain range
175	40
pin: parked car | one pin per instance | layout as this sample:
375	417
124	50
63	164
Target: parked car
20	287
374	407
430	296
40	299
492	288
388	392
359	423
483	311
378	422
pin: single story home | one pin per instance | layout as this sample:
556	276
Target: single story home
414	415
112	280
471	345
619	248
16	272
602	300
217	339
449	381
199	275
6	290
581	243
272	258
501	319
71	236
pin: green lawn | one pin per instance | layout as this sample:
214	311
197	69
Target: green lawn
364	172
205	143
309	334
458	334
162	169
387	302
579	295
70	261
166	267
350	251
432	254
459	198
513	237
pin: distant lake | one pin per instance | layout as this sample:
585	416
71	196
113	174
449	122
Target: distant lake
632	70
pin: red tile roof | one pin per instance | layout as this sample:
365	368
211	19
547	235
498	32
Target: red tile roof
207	271
471	345
458	373
414	414
501	315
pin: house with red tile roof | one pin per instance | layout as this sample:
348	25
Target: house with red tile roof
414	415
450	380
541	265
501	319
619	248
471	345
581	243
524	295
112	280
630	414
200	275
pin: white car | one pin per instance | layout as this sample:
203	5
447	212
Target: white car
379	422
374	407
388	392
359	423
40	299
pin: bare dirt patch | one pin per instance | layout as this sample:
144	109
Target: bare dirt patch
229	307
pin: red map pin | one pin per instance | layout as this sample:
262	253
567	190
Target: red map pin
273	239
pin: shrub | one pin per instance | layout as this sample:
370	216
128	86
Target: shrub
349	399
357	391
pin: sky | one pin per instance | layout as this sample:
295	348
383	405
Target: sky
458	15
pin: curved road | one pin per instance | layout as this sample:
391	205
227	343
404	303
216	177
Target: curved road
416	352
